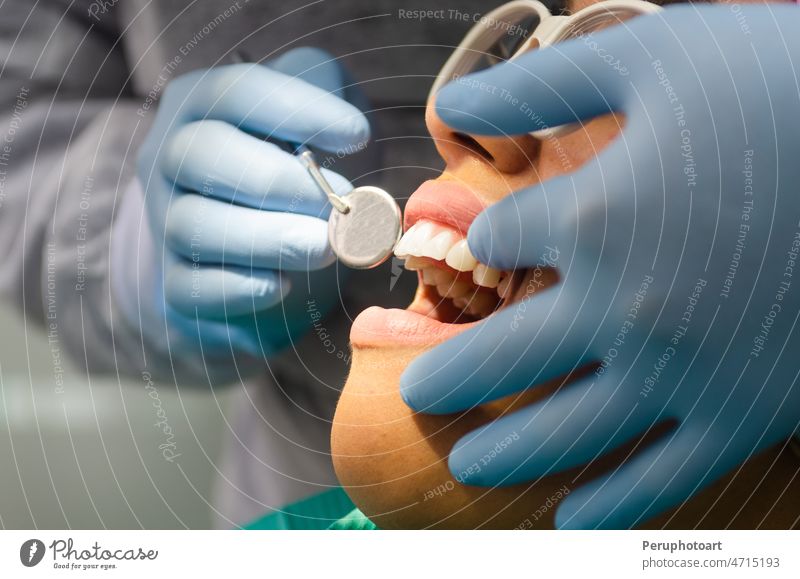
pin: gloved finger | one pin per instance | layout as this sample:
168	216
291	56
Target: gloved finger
211	291
572	427
313	65
516	348
322	69
211	335
556	85
158	194
272	104
218	160
512	233
660	477
563	212
205	230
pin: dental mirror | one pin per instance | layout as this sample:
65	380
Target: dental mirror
364	237
364	226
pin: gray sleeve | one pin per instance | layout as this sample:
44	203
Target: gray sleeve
69	132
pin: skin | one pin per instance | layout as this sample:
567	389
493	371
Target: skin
393	462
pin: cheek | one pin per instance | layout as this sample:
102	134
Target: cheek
568	153
555	156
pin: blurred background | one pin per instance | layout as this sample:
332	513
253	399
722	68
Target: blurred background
89	457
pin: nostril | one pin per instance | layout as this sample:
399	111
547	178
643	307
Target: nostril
473	145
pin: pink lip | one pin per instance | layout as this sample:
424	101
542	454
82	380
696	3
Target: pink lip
446	202
376	327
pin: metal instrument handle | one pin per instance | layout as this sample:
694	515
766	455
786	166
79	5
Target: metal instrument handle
310	163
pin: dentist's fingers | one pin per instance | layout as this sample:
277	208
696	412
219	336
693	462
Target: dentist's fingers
512	233
205	230
519	347
218	160
313	65
211	291
574	426
556	85
213	336
258	99
321	69
658	478
564	212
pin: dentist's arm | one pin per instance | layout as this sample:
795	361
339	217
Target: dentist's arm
67	128
116	278
678	261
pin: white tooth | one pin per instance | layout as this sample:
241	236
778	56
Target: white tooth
423	233
485	276
505	283
444	280
461	302
408	245
414	238
429	276
438	247
460	258
456	289
464	287
442	277
414	263
401	249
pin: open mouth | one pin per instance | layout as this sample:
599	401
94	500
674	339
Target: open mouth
454	287
455	291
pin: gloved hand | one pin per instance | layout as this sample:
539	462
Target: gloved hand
678	249
235	221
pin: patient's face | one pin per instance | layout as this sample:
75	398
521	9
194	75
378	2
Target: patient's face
391	461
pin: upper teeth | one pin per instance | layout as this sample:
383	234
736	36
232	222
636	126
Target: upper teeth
441	243
427	239
485	276
460	258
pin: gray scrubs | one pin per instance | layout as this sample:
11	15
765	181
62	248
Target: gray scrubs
78	91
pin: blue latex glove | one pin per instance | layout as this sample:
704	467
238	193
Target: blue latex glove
236	220
677	252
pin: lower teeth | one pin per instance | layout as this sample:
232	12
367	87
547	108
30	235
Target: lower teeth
473	300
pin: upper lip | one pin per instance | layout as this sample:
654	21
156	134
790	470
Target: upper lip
444	201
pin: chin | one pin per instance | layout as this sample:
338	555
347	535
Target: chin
393	461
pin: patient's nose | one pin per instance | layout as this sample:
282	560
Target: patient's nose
506	154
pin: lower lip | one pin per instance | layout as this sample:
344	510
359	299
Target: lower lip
379	327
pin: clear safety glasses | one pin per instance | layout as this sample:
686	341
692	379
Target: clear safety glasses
522	25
